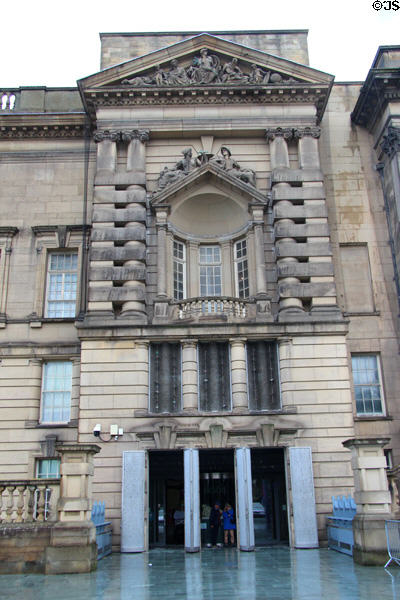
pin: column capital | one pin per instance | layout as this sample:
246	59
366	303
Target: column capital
192	343
135	134
301	132
279	132
237	341
106	134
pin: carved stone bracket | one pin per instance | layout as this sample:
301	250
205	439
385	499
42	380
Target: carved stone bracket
391	141
216	437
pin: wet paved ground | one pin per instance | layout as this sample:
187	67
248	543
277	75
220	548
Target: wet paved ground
267	574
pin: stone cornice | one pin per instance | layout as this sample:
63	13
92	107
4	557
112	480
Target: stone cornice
380	87
288	93
42	125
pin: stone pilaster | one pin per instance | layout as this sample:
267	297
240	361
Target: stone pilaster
372	498
189	376
240	403
136	154
279	153
106	141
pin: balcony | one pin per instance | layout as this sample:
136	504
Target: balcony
206	307
31	500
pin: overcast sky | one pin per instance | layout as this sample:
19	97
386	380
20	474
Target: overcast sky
55	43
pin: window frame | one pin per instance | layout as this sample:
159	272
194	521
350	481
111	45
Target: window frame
151	402
50	272
214	265
383	412
42	420
236	262
42	460
229	380
179	261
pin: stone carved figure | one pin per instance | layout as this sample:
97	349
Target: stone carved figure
258	76
224	161
231	72
206	69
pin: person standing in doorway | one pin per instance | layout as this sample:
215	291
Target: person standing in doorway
214	522
229	524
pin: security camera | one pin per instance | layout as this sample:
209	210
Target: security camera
97	430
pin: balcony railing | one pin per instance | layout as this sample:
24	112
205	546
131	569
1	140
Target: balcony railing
8	99
24	501
212	306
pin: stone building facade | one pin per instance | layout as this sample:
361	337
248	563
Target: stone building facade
198	267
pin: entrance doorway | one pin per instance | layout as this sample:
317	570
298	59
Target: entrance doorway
166	498
217	484
269	496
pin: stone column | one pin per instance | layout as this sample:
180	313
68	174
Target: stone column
190	400
73	546
257	213
317	229
134	286
279	153
136	155
240	402
372	497
106	141
278	147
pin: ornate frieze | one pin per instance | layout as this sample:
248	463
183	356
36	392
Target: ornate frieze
41	131
391	141
222	160
208	69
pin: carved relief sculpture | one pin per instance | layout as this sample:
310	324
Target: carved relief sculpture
223	160
207	69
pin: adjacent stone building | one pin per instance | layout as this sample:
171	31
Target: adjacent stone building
199	271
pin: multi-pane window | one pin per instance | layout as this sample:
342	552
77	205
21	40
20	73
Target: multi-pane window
210	271
165	377
262	376
62	281
367	384
241	269
179	270
48	468
214	377
56	392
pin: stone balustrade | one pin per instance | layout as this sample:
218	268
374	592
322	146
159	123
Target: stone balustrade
205	306
24	501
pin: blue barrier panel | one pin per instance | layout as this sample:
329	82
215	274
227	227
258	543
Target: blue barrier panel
103	529
340	524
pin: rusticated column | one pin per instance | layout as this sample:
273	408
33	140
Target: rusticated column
323	288
280	160
240	403
136	156
106	141
190	400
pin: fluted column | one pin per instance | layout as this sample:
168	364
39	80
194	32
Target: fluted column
190	399
161	224
240	403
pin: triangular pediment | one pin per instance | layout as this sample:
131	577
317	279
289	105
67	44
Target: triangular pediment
205	60
214	178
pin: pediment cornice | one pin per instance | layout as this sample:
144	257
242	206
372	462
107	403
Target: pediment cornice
206	70
208	173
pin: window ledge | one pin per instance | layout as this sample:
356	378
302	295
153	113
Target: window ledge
142	413
370	313
36	425
373	418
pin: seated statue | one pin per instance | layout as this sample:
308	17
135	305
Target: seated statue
182	168
257	75
224	161
231	73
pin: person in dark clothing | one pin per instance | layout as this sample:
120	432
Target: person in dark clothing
214	522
